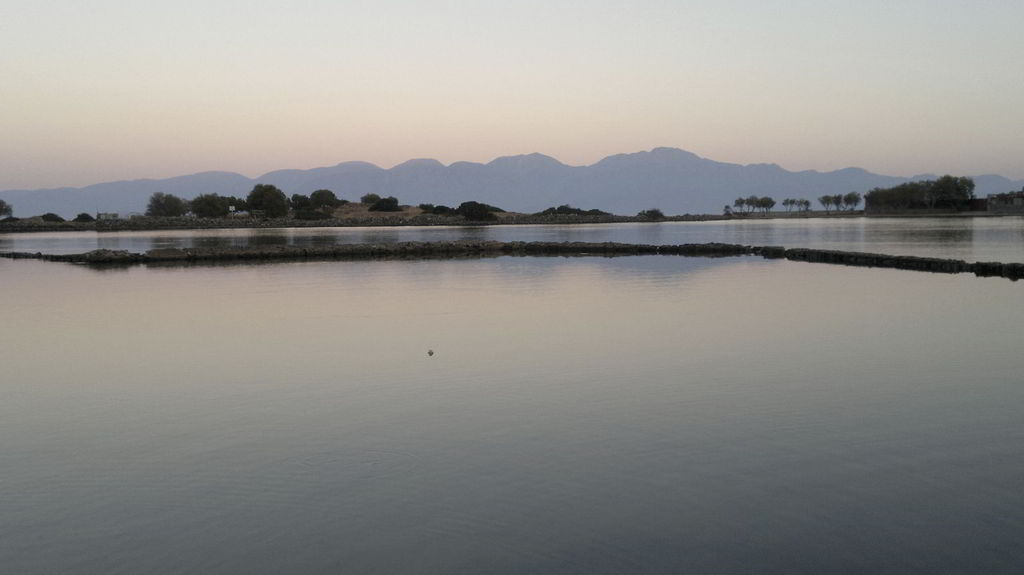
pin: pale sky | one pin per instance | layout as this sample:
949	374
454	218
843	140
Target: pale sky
102	90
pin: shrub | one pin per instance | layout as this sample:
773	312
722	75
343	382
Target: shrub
476	211
369	199
388	204
567	210
299	202
651	214
51	217
84	217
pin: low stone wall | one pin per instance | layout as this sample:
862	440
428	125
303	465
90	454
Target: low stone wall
453	249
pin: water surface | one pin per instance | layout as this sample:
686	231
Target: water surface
971	239
579	415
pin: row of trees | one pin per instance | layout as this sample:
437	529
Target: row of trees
840	202
268	201
264	199
948	192
800	204
765	204
751	203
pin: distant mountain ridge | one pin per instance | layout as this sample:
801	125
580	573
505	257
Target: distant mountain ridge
671	179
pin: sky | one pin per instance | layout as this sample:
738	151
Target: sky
119	89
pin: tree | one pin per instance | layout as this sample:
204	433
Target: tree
269	200
851	200
369	199
751	202
826	202
946	192
739	204
51	217
235	204
299	202
163	205
5	208
805	204
766	203
388	204
952	192
323	199
84	217
210	206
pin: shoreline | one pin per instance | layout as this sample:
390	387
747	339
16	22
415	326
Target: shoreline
143	223
470	249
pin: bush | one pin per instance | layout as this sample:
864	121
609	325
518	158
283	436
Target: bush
567	210
427	208
51	217
651	214
388	204
10	219
442	211
476	211
369	199
84	217
299	202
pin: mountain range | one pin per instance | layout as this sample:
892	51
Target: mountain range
673	180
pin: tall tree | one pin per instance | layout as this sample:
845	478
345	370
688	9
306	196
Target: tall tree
163	205
851	200
826	202
210	206
5	208
323	199
269	200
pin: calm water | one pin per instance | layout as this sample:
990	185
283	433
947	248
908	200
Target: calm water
971	239
580	415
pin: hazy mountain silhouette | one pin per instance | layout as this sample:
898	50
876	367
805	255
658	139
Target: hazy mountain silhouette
673	180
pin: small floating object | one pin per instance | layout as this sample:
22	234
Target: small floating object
430	352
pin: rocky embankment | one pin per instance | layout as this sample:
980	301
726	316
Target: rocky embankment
456	249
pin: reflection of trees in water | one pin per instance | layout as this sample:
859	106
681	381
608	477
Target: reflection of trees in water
958	231
276	239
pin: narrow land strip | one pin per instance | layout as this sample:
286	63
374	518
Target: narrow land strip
455	249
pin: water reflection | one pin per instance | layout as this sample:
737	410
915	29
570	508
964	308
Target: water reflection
972	239
628	415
